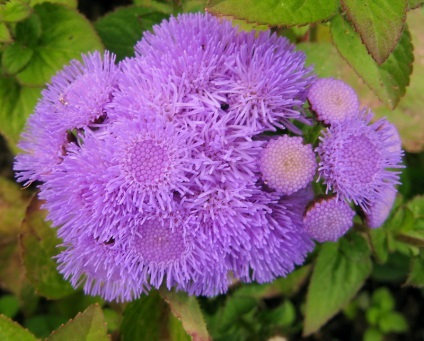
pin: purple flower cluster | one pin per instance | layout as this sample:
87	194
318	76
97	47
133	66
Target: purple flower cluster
180	167
151	168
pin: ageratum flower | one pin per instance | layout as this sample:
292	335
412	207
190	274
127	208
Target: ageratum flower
380	209
333	100
287	165
328	219
357	161
74	100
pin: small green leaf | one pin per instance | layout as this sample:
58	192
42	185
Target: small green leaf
88	325
339	272
275	13
378	22
39	245
15	57
416	274
9	305
149	318
379	244
5	36
186	308
383	299
388	80
65	35
10	330
14	11
17	103
393	322
373	334
69	3
122	29
416	205
28	31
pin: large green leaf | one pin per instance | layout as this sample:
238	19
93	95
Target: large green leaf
120	30
378	22
388	80
5	36
339	272
275	13
187	310
14	10
39	245
17	103
10	330
149	318
15	57
89	326
65	35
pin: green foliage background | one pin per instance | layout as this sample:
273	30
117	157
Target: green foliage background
366	286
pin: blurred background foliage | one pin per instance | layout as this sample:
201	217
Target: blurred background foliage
367	286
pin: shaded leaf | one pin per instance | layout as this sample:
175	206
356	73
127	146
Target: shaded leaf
69	3
339	272
39	244
186	308
378	22
416	274
15	57
14	10
268	12
88	325
10	330
150	318
28	31
392	321
415	3
9	305
123	28
65	35
4	33
157	6
388	80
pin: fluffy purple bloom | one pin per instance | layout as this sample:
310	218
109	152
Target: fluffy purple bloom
287	165
74	100
380	209
328	219
333	100
357	161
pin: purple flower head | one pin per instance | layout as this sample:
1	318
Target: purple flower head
74	100
101	267
356	159
268	82
333	100
170	249
287	165
380	209
328	219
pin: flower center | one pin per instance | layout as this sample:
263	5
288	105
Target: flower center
148	162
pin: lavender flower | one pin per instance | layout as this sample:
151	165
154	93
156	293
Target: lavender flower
333	100
328	219
356	159
287	165
380	209
74	100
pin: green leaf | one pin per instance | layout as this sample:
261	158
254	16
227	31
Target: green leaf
339	272
186	308
15	57
4	33
122	29
65	35
383	299
275	13
69	3
416	274
379	244
28	31
388	80
17	103
373	334
379	24
88	325
409	116
14	11
394	322
156	6
416	205
9	305
10	330
149	318
39	245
